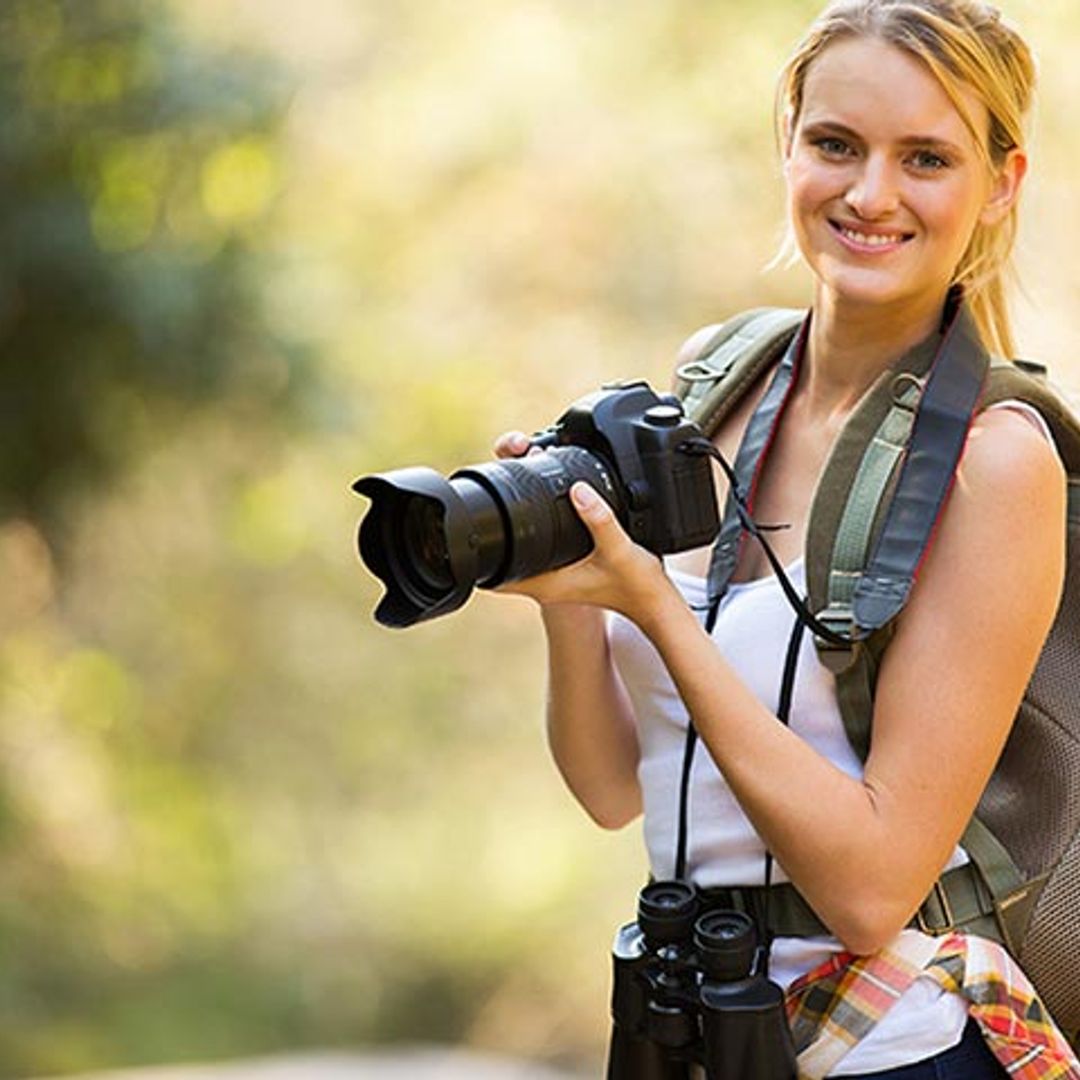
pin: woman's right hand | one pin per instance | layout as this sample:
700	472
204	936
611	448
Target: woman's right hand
616	574
590	724
516	444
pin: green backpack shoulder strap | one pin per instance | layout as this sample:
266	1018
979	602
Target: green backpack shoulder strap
853	494
720	363
878	501
848	509
846	514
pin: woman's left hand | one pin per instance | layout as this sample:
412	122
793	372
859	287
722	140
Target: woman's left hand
617	574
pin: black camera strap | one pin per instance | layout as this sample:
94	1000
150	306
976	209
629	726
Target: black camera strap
950	397
783	714
803	619
738	523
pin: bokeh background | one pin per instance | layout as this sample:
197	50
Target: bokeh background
249	251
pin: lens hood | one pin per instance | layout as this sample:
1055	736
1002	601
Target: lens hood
412	596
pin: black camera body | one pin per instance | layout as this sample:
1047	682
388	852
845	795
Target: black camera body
687	991
432	540
668	501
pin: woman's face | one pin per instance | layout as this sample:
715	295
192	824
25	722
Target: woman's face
885	181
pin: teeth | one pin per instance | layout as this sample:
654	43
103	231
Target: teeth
876	240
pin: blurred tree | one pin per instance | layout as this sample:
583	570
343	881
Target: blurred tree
139	170
235	815
135	173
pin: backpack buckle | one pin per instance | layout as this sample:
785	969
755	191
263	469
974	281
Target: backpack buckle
697	371
936	929
837	656
907	390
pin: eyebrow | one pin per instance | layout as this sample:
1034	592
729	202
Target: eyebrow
834	127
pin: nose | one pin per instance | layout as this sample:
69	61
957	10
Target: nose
874	190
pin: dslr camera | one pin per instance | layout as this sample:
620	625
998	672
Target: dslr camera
431	540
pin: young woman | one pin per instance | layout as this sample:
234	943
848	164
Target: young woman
902	140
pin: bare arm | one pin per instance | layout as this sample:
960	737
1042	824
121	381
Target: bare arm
590	722
865	852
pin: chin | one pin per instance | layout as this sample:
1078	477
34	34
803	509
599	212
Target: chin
868	295
860	287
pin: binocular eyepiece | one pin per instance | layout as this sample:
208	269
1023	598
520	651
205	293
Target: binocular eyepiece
687	991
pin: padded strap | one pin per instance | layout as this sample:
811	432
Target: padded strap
926	476
851	549
733	357
959	900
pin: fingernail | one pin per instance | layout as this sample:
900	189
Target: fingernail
583	495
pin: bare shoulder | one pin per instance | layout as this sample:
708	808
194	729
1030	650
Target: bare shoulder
1010	464
1004	524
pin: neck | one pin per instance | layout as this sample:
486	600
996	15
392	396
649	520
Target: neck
849	346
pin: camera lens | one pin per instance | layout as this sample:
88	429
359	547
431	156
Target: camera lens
432	540
726	942
423	543
541	528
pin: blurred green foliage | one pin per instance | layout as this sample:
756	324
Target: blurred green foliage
250	253
136	175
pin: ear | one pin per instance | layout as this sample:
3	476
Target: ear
1005	189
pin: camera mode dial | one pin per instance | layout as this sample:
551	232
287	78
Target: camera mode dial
664	415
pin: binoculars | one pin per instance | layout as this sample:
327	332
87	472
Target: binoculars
688	992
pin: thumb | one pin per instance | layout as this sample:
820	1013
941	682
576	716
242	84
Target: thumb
593	510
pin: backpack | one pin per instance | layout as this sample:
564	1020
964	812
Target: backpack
1022	886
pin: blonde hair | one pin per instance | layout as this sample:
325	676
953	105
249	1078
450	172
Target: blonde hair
964	43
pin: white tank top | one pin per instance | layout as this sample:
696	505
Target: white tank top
752	632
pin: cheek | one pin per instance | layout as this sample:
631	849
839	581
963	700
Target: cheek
954	215
807	186
806	194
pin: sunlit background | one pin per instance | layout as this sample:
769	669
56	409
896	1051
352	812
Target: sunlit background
252	250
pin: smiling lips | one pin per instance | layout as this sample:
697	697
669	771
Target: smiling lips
861	241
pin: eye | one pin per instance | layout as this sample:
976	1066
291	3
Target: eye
929	161
832	146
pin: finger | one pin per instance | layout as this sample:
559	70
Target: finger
512	444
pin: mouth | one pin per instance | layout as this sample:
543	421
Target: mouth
863	241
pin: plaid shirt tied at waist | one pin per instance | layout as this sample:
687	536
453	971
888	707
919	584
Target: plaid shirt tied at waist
833	1006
